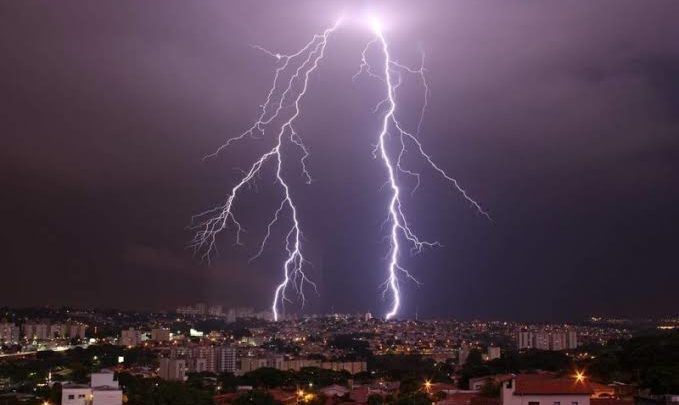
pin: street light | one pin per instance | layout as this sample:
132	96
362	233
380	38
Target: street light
427	385
580	376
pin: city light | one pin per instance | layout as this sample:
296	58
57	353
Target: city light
427	385
580	376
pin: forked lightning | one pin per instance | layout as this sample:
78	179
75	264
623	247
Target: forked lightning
279	112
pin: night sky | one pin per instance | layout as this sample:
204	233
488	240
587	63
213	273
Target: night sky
560	118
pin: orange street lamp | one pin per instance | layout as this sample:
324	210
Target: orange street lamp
427	385
580	376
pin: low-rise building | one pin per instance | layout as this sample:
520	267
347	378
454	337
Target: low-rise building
492	353
545	390
103	390
160	335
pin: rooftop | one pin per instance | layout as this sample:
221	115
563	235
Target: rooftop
546	385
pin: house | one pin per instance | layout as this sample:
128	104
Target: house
479	382
334	390
103	390
539	389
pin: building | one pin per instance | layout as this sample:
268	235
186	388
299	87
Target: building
206	353
248	364
571	340
188	311
540	389
225	359
541	340
130	337
353	367
547	340
172	369
103	390
558	341
9	333
36	331
492	353
197	365
160	335
77	330
477	383
57	331
215	310
463	354
524	339
75	394
201	307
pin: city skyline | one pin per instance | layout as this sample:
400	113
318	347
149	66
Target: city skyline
559	118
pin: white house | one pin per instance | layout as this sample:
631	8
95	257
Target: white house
103	390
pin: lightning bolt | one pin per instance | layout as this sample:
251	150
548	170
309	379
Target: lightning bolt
390	74
280	110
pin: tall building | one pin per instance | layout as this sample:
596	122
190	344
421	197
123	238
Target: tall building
36	331
541	340
225	359
130	337
206	353
9	333
571	340
215	310
197	365
77	330
558	341
57	331
172	369
524	339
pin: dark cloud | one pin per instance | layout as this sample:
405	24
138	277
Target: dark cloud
561	118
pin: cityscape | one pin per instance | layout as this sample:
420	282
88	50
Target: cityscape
204	353
339	202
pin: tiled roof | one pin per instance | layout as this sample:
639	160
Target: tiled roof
610	401
541	385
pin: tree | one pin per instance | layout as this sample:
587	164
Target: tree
416	398
255	397
375	399
266	377
491	390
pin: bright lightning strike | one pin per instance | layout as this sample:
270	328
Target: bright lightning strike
279	111
400	230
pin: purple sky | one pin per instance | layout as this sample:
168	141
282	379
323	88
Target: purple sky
561	118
